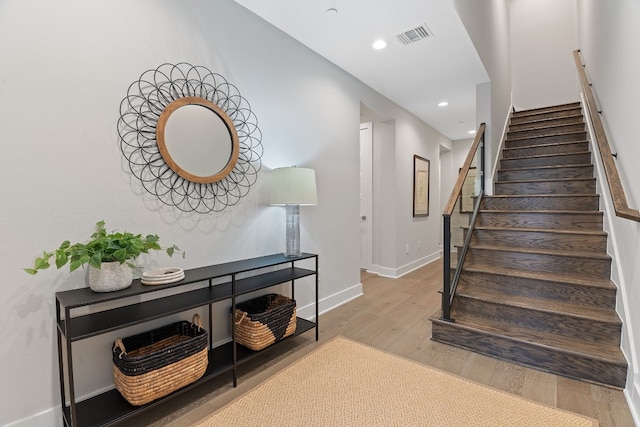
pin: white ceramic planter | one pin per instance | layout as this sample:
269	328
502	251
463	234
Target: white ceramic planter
112	276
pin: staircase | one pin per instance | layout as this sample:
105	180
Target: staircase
535	287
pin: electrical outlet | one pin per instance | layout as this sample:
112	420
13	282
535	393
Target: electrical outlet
407	248
418	244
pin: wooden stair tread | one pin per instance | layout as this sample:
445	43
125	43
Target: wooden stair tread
524	196
554	252
542	275
573	231
529	181
537	119
538	156
606	353
523	138
551	124
543	127
541	211
546	195
549	109
495	196
545	167
542	305
548	144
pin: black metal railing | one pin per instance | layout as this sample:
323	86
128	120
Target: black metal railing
459	218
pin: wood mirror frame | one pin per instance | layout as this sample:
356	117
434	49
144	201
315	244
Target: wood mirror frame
182	169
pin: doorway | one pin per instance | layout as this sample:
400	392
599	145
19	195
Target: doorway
366	202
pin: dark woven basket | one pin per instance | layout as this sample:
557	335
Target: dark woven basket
265	320
152	364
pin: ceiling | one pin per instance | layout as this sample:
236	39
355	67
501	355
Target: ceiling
441	67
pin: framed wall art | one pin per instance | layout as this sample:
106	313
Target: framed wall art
421	168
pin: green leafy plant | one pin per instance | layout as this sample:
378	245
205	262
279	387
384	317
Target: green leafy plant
103	247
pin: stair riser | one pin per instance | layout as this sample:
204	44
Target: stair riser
553	160
574	147
555	111
547	187
540	240
556	323
537	123
561	203
531	355
550	130
540	220
546	173
579	266
525	142
555	291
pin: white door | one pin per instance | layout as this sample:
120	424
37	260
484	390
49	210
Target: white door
366	207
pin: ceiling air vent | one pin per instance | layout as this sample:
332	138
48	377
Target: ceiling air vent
415	34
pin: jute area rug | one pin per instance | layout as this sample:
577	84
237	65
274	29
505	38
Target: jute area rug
345	383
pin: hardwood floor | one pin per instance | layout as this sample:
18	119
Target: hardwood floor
393	315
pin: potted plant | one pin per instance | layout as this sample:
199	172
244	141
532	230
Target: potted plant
108	254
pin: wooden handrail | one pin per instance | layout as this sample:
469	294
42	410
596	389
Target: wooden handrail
620	203
457	189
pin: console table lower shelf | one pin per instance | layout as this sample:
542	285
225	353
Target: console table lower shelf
110	407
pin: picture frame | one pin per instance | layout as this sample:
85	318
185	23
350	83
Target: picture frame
421	171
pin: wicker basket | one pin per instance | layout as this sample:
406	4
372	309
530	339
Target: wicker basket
153	364
265	320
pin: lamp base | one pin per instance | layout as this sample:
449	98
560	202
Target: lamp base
293	231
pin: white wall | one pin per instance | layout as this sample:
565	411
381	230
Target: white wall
608	35
488	25
395	141
447	180
66	65
384	182
420	234
543	37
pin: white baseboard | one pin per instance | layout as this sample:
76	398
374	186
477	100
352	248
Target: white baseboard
632	394
412	266
395	273
329	303
383	271
51	417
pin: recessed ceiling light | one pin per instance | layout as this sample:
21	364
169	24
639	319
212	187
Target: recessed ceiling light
332	8
379	44
471	132
443	104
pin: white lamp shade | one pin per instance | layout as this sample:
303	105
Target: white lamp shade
293	186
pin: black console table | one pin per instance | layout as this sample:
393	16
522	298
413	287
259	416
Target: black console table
110	407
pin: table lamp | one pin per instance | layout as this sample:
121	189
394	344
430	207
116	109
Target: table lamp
292	187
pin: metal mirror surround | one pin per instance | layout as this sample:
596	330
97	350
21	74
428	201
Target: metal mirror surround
190	138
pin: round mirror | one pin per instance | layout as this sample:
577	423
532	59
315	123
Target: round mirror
197	140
